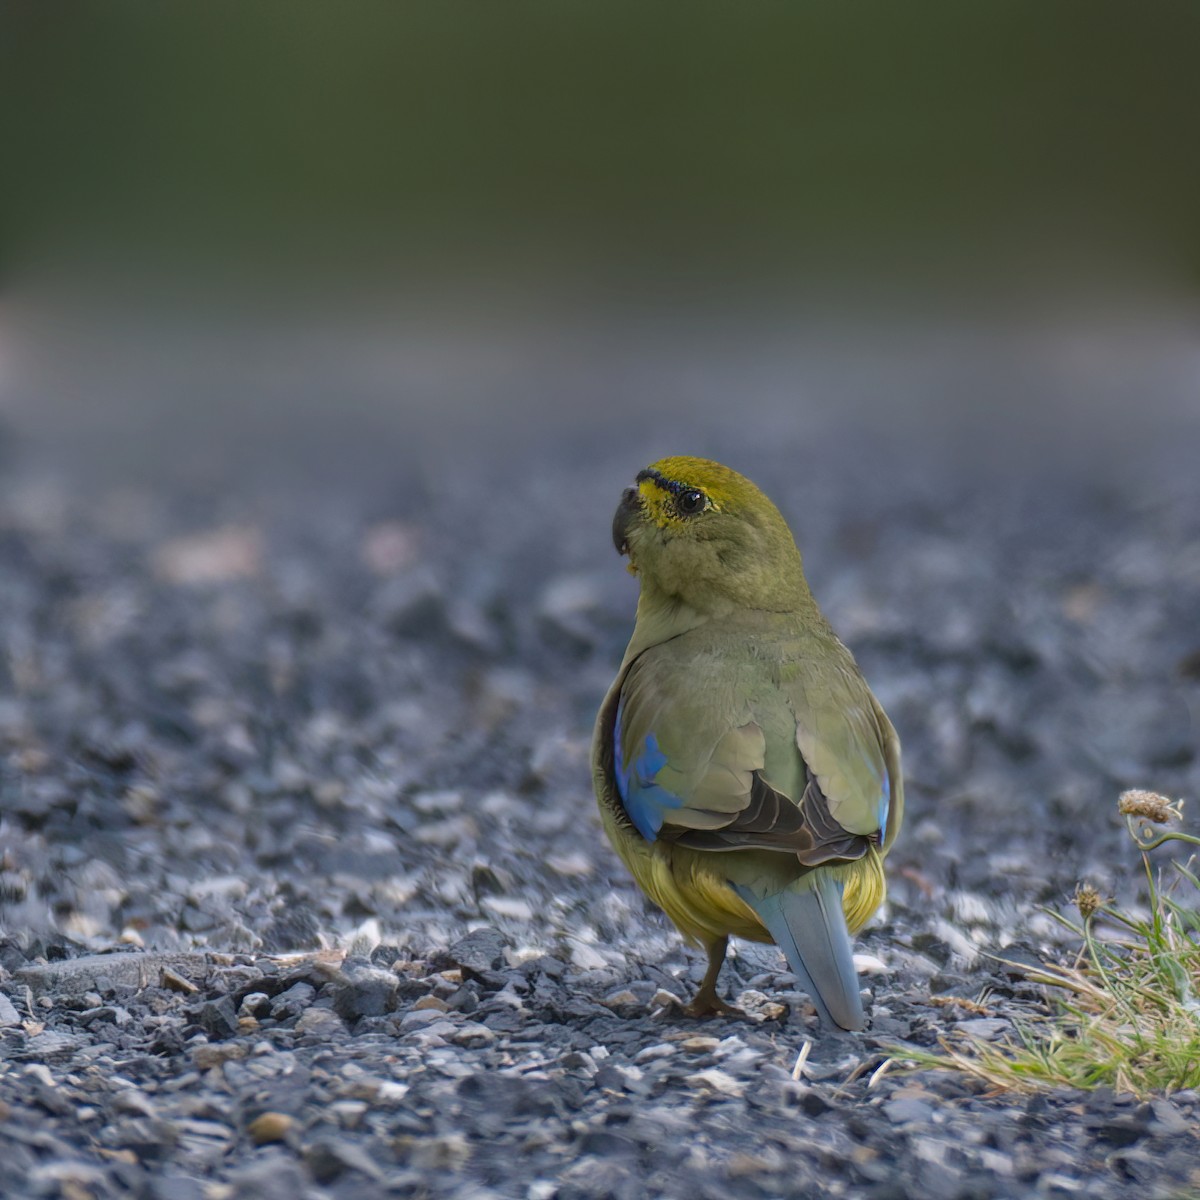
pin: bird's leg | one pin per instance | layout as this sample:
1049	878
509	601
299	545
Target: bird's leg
706	1002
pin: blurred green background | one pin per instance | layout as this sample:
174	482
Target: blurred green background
381	210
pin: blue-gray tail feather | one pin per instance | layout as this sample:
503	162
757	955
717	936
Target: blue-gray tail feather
810	928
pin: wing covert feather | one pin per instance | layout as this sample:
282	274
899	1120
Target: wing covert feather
692	762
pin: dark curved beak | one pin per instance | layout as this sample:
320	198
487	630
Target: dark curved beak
627	512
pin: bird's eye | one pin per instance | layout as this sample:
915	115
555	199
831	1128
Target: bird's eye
691	502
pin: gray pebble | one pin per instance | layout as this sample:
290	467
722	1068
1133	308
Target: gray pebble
364	992
908	1111
320	1023
293	1001
8	1012
481	951
219	1017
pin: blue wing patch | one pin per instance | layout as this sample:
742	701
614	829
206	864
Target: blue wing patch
882	774
645	801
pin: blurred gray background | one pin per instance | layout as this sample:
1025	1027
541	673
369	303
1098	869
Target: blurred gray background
252	242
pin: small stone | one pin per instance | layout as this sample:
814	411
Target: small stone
868	964
715	1080
41	1073
572	866
348	1113
439	802
1167	1119
375	1091
462	1000
447	1153
419	1019
8	1013
367	992
431	1002
1123	1131
473	1035
655	1052
611	1078
481	951
176	982
434	1035
623	998
759	1006
207	1056
812	1101
995	1162
908	1111
131	1102
293	1001
512	907
585	958
320	1022
270	1127
330	1159
985	1028
699	1045
70	1180
448	833
219	1018
112	1014
665	999
254	1004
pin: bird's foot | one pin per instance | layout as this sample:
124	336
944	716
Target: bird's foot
706	1003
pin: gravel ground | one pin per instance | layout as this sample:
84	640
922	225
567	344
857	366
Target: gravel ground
303	891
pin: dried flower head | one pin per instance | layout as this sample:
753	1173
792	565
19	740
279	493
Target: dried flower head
1087	900
1150	806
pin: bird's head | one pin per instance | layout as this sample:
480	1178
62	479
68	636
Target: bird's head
700	533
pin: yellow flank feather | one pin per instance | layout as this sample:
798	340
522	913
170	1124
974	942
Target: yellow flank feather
865	889
700	904
689	887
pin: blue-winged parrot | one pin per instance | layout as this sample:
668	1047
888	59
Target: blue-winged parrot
746	775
